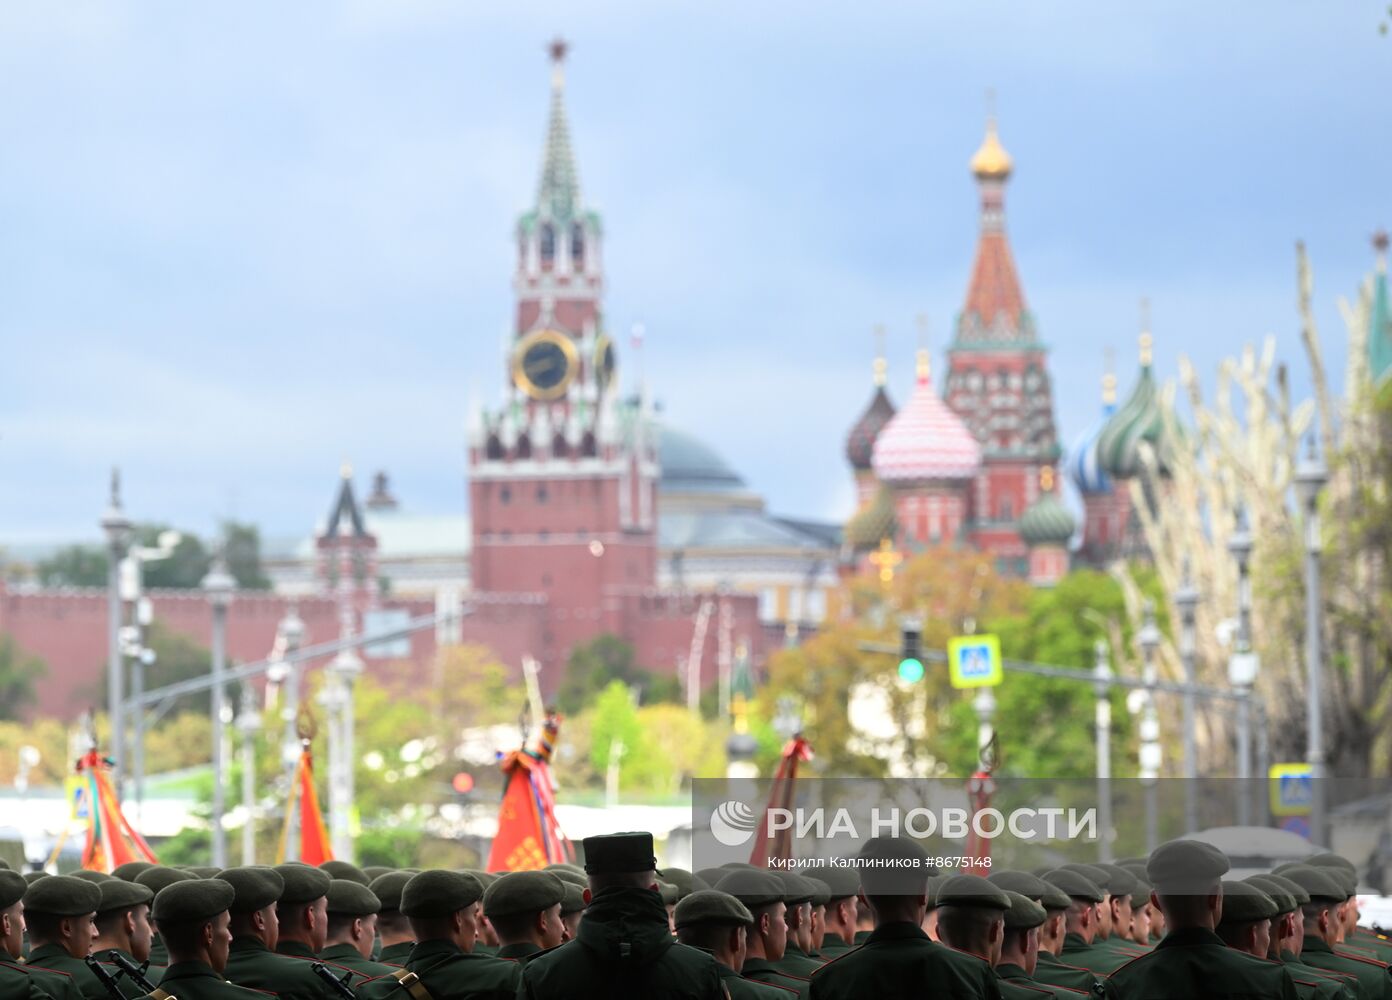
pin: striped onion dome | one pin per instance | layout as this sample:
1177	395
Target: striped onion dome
1139	419
1083	465
860	443
873	522
925	440
1047	521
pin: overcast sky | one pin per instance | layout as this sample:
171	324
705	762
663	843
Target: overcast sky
243	242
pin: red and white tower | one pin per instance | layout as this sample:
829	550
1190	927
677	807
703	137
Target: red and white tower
563	477
998	376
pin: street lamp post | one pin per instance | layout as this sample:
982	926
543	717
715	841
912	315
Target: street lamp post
117	529
290	634
1310	479
1102	671
343	670
248	724
1149	640
1243	665
218	585
1186	599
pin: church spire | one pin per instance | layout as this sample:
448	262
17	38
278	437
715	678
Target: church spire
995	308
558	195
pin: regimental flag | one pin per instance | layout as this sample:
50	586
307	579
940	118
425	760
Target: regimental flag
111	840
528	835
780	845
315	848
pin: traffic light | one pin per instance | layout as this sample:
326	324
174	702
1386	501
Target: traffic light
911	652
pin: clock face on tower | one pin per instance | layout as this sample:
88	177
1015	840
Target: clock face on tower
544	363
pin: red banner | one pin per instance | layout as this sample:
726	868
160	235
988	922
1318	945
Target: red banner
529	837
315	848
780	845
111	840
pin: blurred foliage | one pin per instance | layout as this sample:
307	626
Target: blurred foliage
18	671
184	569
49	737
395	846
594	665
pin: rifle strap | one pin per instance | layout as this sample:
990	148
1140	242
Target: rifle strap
162	995
409	981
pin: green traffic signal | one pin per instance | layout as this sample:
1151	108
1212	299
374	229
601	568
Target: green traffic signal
910	670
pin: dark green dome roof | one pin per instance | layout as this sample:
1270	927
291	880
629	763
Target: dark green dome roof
873	522
689	465
1139	419
1047	521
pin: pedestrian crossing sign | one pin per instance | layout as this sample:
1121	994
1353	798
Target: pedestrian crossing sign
974	661
1292	789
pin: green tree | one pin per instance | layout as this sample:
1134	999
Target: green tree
616	720
594	665
18	671
186	565
74	566
243	554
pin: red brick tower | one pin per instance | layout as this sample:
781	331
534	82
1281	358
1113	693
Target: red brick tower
998	376
563	478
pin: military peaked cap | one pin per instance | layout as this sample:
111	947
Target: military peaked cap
619	853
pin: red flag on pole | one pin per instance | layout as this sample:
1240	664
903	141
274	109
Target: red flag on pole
314	835
111	840
529	837
780	845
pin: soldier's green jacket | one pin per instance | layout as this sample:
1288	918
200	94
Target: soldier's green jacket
741	988
59	985
198	981
1017	985
1373	978
1365	938
862	936
1099	957
1345	983
17	984
84	980
624	948
797	962
1051	970
1195	962
159	954
898	960
761	970
396	954
449	972
522	952
251	964
834	945
345	956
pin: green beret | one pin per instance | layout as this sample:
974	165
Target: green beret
711	876
31	877
1331	860
842	881
1347	880
1285	902
1024	912
970	890
118	895
1030	886
1141	894
5	865
1244	903
1120	882
930	892
194	900
96	878
893	866
159	876
619	853
522	892
128	871
12	888
752	887
711	906
202	871
352	899
1297	892
373	871
574	901
679	877
1076	885
573	877
63	896
387	888
1186	868
1095	874
303	884
796	889
257	887
345	870
485	878
669	893
564	866
821	891
437	892
1317	882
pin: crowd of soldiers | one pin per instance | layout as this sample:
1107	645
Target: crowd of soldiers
883	925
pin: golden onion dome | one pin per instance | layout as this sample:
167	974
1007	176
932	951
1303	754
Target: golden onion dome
991	161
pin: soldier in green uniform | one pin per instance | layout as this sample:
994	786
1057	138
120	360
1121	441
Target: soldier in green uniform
898	959
252	959
525	909
444	911
60	913
718	924
1322	929
19	982
345	870
1048	969
393	928
572	911
155	878
841	911
1019	951
971	916
351	930
1192	960
487	941
798	894
1081	921
128	871
624	947
762	894
1288	934
1310	983
302	912
123	925
193	920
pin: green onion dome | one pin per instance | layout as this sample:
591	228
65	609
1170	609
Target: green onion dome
1047	521
1139	419
873	522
